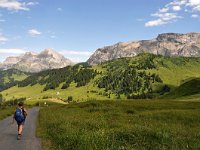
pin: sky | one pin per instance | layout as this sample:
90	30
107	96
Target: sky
76	28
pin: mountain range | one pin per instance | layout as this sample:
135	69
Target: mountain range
167	44
33	62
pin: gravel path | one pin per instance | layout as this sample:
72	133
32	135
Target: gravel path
8	133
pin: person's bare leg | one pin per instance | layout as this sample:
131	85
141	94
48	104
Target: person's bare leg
20	129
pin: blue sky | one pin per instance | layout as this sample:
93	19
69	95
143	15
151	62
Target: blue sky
76	28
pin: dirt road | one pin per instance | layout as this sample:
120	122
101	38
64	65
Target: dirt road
8	133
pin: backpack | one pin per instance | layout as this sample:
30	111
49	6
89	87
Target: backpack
19	116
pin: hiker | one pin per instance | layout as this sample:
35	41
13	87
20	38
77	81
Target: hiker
20	116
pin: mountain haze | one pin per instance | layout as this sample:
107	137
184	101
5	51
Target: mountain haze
32	62
167	44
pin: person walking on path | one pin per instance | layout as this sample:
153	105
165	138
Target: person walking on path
20	117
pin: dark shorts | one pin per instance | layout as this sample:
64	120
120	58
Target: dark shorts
21	123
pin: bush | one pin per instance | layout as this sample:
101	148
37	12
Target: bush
69	99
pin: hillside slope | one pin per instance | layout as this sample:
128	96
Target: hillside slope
11	77
143	76
189	88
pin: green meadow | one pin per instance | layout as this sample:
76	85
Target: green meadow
117	125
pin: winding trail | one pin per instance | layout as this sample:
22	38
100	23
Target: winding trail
8	133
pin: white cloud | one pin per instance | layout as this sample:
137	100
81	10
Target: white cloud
164	10
176	8
195	16
16	5
166	16
171	12
193	3
34	32
32	3
3	39
153	23
177	3
13	5
12	51
163	18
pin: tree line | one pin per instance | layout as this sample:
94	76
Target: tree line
52	79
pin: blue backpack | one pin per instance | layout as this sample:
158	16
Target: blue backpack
19	115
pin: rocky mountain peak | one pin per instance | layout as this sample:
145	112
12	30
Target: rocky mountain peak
175	37
166	44
51	53
32	62
12	60
168	37
29	54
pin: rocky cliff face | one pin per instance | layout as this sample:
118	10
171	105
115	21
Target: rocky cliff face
32	62
168	44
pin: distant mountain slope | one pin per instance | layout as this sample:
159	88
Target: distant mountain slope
11	77
143	76
168	44
31	62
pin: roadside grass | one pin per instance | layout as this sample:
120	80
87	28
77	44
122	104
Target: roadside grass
117	125
5	112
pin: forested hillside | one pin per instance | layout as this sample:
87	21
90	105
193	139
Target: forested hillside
51	79
143	76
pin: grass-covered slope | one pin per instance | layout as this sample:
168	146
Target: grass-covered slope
11	77
116	125
143	76
189	88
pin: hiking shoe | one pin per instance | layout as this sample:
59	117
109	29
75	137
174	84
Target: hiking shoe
19	137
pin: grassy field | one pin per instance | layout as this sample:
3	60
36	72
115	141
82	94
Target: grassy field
120	125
